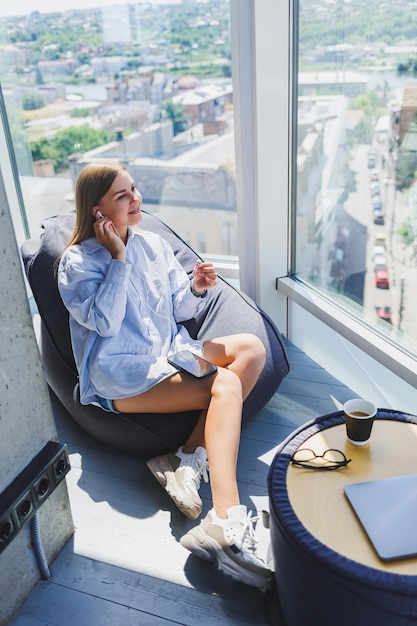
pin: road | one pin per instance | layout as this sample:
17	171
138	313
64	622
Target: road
401	296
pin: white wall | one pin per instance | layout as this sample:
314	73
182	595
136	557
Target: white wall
366	376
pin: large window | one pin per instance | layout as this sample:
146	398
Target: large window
145	83
356	160
150	83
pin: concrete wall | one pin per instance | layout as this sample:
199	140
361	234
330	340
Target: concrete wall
184	183
26	423
160	182
151	142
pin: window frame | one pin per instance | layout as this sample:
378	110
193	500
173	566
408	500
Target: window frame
260	43
264	70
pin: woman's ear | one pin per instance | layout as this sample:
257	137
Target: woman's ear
97	213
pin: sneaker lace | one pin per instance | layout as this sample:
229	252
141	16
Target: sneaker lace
248	534
197	470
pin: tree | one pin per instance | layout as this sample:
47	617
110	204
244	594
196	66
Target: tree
33	101
406	233
176	113
405	169
363	103
66	142
80	112
42	149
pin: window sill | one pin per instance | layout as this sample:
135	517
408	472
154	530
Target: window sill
387	354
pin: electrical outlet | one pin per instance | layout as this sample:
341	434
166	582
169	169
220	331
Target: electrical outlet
42	487
31	488
60	468
8	528
24	508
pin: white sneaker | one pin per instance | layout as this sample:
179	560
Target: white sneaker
180	474
232	543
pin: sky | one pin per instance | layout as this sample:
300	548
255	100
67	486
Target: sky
23	7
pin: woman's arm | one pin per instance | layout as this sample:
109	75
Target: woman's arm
93	289
186	303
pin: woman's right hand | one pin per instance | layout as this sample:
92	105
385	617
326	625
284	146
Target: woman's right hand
107	235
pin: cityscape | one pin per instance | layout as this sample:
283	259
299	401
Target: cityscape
151	85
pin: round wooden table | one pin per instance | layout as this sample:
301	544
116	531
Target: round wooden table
327	571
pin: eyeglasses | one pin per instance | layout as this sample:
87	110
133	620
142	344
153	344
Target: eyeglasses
329	460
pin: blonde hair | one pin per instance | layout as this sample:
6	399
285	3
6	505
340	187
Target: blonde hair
93	182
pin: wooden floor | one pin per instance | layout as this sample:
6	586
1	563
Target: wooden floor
124	565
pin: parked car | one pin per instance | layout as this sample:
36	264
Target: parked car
375	175
380	239
381	279
377	202
380	262
371	161
378	249
379	217
384	313
375	190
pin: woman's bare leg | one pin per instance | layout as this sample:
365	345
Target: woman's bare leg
222	437
221	421
240	359
243	354
225	535
197	437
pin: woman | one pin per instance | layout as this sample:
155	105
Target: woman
127	296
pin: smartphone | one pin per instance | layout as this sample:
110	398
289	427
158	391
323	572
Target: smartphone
191	363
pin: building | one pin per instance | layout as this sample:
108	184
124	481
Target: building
403	112
205	103
57	68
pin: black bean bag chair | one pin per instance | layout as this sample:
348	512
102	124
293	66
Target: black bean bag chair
228	311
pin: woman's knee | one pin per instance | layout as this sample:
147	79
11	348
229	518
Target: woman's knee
227	384
242	353
253	347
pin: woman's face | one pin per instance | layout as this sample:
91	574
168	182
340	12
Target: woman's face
122	202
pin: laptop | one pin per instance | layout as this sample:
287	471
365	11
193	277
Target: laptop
387	510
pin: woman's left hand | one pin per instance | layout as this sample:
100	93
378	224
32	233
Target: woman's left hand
204	276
